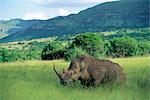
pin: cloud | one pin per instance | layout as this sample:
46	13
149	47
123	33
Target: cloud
35	15
63	12
68	3
51	8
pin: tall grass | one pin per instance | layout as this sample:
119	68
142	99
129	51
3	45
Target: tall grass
36	80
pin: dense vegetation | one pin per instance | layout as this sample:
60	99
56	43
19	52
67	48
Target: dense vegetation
93	44
123	47
54	50
29	51
103	17
68	47
139	33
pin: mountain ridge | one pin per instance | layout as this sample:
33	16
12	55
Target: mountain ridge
103	17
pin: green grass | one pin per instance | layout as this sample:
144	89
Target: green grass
36	80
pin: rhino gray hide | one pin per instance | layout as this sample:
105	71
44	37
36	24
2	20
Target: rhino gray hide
91	72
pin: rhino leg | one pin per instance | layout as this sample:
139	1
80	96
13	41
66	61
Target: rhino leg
98	79
97	82
87	83
82	82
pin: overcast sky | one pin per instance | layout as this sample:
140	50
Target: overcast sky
43	9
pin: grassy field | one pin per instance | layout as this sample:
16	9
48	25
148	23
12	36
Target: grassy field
36	80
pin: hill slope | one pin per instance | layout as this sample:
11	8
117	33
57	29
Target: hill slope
103	17
14	25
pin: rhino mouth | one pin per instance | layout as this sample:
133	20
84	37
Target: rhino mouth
65	82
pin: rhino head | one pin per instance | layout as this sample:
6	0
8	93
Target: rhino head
67	76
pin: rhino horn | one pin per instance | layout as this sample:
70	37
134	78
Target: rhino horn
58	74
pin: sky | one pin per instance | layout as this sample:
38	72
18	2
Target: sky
43	9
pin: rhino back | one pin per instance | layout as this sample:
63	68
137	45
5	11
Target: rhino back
102	69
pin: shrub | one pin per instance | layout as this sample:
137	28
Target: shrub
54	50
9	55
144	48
74	52
92	43
123	47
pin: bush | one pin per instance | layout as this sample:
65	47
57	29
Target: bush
9	55
123	47
92	43
4	55
144	48
54	50
32	54
74	52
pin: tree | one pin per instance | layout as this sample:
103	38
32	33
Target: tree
54	50
9	55
74	52
123	47
92	43
144	48
4	55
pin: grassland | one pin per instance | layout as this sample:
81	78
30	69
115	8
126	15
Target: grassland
36	80
19	45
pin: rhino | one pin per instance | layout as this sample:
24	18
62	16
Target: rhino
91	72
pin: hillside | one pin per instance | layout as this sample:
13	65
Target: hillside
14	25
103	17
140	34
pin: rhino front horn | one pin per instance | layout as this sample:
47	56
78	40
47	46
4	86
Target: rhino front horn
57	73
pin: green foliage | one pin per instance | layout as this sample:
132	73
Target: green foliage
32	54
9	55
92	43
54	50
74	52
139	33
123	47
144	48
30	51
34	50
3	55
